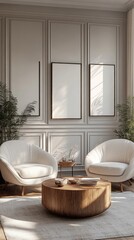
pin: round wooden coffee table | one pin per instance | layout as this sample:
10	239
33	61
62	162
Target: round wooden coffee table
75	200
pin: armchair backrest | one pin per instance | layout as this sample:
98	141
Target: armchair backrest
16	152
117	150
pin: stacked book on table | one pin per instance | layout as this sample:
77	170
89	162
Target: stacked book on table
88	181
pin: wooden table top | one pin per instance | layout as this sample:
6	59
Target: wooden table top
74	187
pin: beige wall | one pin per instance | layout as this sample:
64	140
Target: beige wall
31	39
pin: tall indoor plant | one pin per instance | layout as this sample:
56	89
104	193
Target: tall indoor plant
126	119
10	121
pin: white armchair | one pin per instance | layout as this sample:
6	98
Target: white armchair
112	160
26	164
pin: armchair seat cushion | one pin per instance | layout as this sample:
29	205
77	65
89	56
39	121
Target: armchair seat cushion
33	170
108	168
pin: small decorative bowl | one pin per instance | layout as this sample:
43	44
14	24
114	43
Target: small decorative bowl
73	180
60	182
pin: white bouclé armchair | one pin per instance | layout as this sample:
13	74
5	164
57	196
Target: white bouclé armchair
113	160
26	164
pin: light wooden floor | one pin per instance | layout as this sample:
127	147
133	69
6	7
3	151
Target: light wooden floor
12	191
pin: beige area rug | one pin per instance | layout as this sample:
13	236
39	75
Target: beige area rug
24	218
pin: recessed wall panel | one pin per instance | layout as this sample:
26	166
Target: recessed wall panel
94	139
62	144
102	44
65	42
35	139
25	62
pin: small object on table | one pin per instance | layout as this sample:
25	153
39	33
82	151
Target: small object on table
60	182
73	180
88	181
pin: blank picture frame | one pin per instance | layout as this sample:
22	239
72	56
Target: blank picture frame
102	90
66	91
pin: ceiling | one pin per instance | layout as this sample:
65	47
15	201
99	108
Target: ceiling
116	5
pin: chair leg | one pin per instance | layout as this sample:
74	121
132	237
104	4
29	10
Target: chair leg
130	182
121	186
22	191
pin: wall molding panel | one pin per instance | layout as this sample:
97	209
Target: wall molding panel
34	138
68	35
65	41
97	138
26	77
130	53
64	141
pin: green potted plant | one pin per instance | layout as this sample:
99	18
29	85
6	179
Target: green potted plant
10	121
126	119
